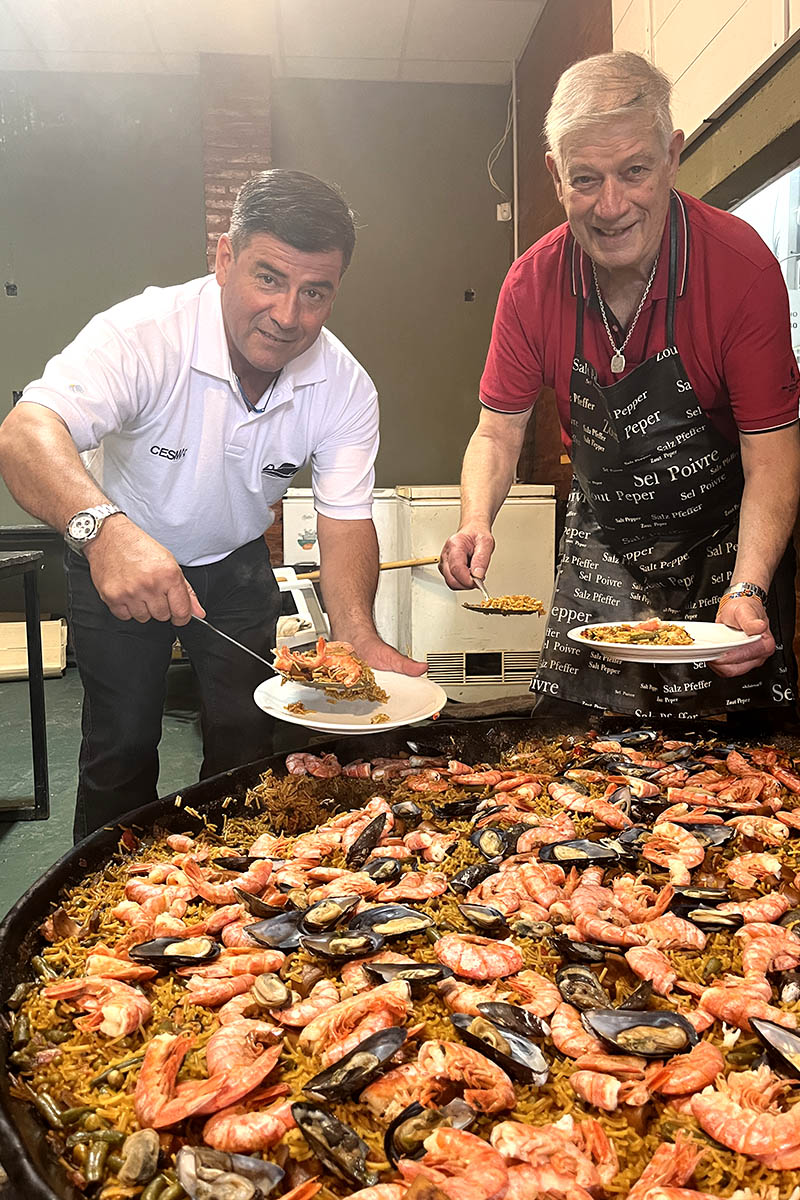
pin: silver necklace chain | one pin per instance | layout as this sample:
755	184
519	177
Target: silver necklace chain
618	358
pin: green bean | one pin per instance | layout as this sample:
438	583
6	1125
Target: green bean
712	967
71	1116
41	968
57	1036
49	1109
80	1153
93	1122
113	1137
18	995
115	1162
22	1060
173	1192
96	1161
21	1034
155	1188
129	1062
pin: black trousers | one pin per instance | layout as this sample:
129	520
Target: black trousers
123	668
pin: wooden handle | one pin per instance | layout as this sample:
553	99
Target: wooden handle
387	566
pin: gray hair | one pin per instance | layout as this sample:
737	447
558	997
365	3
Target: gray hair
605	88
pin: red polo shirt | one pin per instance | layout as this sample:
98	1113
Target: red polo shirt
731	324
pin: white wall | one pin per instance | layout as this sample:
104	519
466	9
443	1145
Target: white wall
709	48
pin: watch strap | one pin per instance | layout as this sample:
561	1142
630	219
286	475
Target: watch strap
99	512
743	589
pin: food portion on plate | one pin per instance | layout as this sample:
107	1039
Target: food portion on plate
509	604
641	633
331	667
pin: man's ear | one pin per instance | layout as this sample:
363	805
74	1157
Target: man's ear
225	257
552	167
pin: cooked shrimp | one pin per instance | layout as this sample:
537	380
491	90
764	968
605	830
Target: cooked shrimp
539	994
415	885
434	846
769	830
768	948
348	883
597	1088
394	1091
235	934
114	1008
622	1066
254	880
639	901
103	962
673	847
764	908
356	979
671	1163
740	1000
568	1034
687	1072
787	778
651	964
208	993
157	1100
326	767
593	928
237	960
236	1054
385	1005
560	828
442	1064
569	1158
240	1132
597	806
672	933
747	869
476	957
465	998
323	995
381	1191
742	1113
461	1165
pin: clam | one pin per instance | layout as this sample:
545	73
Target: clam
486	919
169	953
336	1145
519	1057
258	908
206	1174
783	1045
418	976
580	987
584	952
352	1073
513	1017
406	1135
279	933
392	920
343	944
327	913
408	812
384	870
649	1034
468	878
366	841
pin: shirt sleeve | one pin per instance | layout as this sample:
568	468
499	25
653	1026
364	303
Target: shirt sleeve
94	384
759	365
512	377
343	462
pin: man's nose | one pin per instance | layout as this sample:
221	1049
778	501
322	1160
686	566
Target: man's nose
285	309
611	201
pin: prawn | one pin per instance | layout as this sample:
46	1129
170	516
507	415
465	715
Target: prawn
240	1132
208	993
669	932
748	869
742	1113
461	1165
356	979
326	767
476	957
651	964
673	847
415	885
539	994
394	1091
564	1160
236	1057
763	908
103	962
434	846
157	1100
671	1163
442	1064
323	995
569	1036
237	960
738	1000
687	1072
253	880
382	1006
465	998
598	807
560	828
769	830
113	1008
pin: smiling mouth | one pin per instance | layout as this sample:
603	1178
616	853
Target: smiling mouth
613	233
270	337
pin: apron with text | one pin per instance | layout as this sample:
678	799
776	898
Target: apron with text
651	530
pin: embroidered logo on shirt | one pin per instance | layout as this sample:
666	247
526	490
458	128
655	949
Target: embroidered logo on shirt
166	452
284	471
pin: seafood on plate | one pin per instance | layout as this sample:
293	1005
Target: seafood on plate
640	633
570	972
333	667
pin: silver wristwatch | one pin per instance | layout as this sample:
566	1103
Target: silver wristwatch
86	524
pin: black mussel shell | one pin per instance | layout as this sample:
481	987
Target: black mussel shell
647	809
575	785
581	988
169	953
783	1045
496	842
342	944
423	750
790	919
685	897
517	1055
258	908
630	838
679	754
408	812
384	870
359	852
711	835
279	933
392	920
336	1145
204	1173
582	952
649	1034
578	853
485	813
406	1135
464	807
468	878
621	797
524	927
789	986
418	976
640	997
352	1073
489	921
238	862
624	766
327	913
515	1018
711	920
634	737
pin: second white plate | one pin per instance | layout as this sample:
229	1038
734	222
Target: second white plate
710	641
411	698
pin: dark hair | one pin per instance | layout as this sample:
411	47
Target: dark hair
296	208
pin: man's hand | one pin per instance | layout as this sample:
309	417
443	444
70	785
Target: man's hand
747	614
137	577
465	554
382	657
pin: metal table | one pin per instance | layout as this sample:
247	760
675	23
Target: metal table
27	563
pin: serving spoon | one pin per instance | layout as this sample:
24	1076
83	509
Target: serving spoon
312	683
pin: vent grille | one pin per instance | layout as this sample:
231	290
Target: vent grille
517	667
446	668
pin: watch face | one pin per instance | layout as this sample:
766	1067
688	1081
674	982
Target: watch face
82	527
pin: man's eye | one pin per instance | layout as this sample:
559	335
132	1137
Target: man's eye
581	181
267	278
637	170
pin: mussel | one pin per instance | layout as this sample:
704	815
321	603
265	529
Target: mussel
406	1135
408	812
634	737
269	991
169	953
496	842
384	870
518	1056
464	807
711	920
468	878
583	952
685	897
392	920
342	944
656	1034
255	906
239	862
710	835
789	987
418	976
327	913
647	809
580	987
790	919
783	1045
352	1073
579	852
206	1174
514	1017
639	999
279	933
525	927
485	919
366	841
336	1145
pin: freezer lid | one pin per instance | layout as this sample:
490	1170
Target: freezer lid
452	491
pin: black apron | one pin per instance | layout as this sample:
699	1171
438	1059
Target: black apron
651	530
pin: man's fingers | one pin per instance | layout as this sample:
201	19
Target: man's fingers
179	602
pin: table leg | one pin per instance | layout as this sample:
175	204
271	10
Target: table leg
41	785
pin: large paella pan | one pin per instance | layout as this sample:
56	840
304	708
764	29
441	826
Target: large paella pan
516	961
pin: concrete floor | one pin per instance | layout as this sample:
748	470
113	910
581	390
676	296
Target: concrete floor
28	848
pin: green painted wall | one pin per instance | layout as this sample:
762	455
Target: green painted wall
101	194
411	159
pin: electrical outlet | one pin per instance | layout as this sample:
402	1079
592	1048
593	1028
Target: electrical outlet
504	211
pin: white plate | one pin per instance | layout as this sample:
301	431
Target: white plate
411	698
710	640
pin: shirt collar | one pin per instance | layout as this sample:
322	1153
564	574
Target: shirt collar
581	263
211	356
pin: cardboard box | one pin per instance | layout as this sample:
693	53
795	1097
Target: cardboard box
14	648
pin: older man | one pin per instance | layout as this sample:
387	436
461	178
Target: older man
662	324
200	402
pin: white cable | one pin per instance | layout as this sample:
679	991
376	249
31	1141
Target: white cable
497	150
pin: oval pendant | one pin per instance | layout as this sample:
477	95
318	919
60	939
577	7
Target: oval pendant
618	363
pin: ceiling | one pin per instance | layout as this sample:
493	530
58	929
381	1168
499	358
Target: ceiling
426	41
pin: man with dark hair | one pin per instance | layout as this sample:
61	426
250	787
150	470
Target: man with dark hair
193	407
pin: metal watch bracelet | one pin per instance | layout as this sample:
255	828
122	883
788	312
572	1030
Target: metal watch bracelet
743	589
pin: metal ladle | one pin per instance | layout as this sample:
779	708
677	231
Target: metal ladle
312	683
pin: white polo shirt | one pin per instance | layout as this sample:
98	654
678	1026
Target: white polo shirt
148	387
